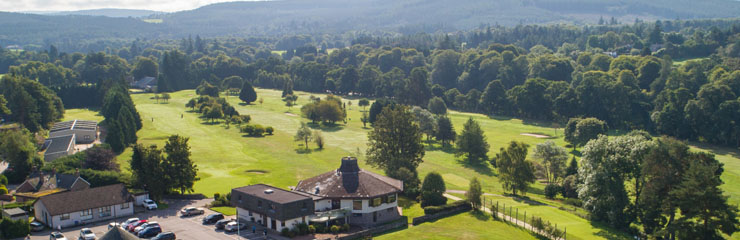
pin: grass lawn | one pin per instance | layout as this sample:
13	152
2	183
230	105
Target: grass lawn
411	208
468	225
226	159
81	114
227	211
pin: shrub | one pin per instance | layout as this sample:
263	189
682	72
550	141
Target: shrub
3	180
319	228
269	130
303	228
345	227
3	189
334	229
14	228
293	233
311	229
573	201
253	130
285	232
551	191
437	209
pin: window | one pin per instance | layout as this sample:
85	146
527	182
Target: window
240	198
357	205
272	206
376	202
357	214
125	205
65	216
391	198
391	209
86	214
104	211
282	224
259	203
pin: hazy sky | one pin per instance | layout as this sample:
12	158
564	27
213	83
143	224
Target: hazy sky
70	5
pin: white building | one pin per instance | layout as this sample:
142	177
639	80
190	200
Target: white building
74	208
84	131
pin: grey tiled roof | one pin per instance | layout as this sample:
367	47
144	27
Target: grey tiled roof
349	181
59	144
68	202
278	195
74	124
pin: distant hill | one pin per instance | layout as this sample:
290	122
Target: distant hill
109	12
290	17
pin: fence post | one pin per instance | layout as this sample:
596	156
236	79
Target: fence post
517	217
565	233
525	219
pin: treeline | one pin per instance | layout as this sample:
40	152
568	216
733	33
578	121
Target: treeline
29	103
121	119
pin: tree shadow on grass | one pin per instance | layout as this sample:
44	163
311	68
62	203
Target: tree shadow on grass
525	199
499	117
480	215
717	150
326	127
252	136
607	232
480	168
303	150
210	123
432	146
244	104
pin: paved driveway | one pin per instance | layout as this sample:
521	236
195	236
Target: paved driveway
187	228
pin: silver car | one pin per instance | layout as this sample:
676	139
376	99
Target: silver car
87	234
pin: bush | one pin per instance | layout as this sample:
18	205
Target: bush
303	229
311	229
334	229
345	227
269	130
285	232
551	191
14	228
3	190
3	180
319	228
437	209
253	130
573	201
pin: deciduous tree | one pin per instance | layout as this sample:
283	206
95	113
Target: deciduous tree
515	172
432	190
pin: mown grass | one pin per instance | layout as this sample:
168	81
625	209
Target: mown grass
468	225
227	211
227	159
82	114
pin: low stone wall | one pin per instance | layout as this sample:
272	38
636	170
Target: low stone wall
426	218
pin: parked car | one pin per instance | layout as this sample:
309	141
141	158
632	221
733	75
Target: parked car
133	225
113	224
36	226
233	226
128	222
165	236
213	218
145	226
149	232
190	211
57	236
87	234
149	204
222	223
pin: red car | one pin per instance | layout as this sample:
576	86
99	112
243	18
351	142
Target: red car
133	226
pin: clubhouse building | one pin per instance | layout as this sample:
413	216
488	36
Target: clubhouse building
346	195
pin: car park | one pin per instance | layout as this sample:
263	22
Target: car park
57	236
133	225
149	204
165	236
128	222
213	218
36	226
149	232
233	226
190	211
87	234
145	226
222	223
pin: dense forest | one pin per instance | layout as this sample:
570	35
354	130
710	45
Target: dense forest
625	77
334	20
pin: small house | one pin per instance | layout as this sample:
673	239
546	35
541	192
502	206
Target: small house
84	131
40	184
145	83
57	147
15	214
75	208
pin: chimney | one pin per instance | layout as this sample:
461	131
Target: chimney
77	172
349	165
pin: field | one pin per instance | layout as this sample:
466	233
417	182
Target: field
468	225
226	159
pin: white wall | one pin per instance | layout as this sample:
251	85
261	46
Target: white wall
75	218
322	205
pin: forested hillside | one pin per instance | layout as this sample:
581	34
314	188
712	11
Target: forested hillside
319	17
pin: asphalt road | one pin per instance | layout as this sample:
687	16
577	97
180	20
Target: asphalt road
186	228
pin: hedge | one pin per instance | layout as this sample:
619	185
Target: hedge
14	228
436	209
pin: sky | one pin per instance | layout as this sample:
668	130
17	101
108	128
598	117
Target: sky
72	5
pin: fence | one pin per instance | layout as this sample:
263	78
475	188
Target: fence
529	222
